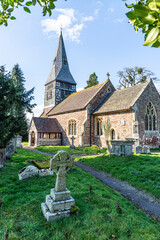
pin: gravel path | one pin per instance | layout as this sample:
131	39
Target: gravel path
139	198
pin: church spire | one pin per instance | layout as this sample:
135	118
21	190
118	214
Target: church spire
60	68
60	82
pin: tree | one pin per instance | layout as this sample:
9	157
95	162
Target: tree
18	81
92	80
8	7
132	76
145	15
11	98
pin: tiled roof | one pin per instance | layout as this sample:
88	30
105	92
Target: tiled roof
122	99
48	125
60	68
76	101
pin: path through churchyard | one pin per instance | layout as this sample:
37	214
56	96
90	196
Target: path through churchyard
139	198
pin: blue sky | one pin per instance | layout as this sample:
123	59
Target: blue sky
97	38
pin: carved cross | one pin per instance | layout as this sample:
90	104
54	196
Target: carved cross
60	164
108	75
73	140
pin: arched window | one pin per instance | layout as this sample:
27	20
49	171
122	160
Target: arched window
99	127
150	118
72	127
113	135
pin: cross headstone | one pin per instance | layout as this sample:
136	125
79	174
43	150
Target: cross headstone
59	203
72	146
60	164
73	140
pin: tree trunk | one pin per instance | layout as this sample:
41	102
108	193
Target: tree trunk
2	157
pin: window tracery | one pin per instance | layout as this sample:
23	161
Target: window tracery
150	118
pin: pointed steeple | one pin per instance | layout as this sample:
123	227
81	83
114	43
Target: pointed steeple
60	68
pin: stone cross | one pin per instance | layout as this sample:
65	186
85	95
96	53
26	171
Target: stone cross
73	140
60	164
108	75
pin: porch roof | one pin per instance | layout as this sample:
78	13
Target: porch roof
46	125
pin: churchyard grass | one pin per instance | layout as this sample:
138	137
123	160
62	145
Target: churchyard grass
25	143
78	150
98	217
141	170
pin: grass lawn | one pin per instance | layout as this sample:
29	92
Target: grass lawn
25	143
141	171
98	217
77	151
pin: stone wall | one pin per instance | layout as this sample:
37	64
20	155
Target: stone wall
43	142
83	127
121	122
150	138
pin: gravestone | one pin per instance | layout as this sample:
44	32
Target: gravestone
28	172
59	202
138	149
120	147
2	157
72	146
146	149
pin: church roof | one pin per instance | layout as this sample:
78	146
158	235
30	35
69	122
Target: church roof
122	99
76	101
46	125
60	68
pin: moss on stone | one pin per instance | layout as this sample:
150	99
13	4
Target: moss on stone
42	163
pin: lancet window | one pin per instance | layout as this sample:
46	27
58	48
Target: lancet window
150	118
72	127
99	127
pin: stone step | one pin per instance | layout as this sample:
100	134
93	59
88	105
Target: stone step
60	196
61	205
53	216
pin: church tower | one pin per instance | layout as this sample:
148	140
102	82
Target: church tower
60	82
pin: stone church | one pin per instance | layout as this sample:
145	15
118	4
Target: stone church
133	112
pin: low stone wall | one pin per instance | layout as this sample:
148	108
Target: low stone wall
43	142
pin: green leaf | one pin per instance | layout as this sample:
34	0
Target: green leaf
131	15
156	44
34	2
44	11
10	10
141	11
11	2
27	9
129	6
150	19
12	18
153	6
152	36
51	5
29	3
49	12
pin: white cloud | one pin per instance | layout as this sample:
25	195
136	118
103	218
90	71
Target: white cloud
88	19
75	31
67	11
72	23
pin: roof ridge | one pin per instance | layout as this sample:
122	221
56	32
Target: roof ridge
87	89
96	92
133	86
142	90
